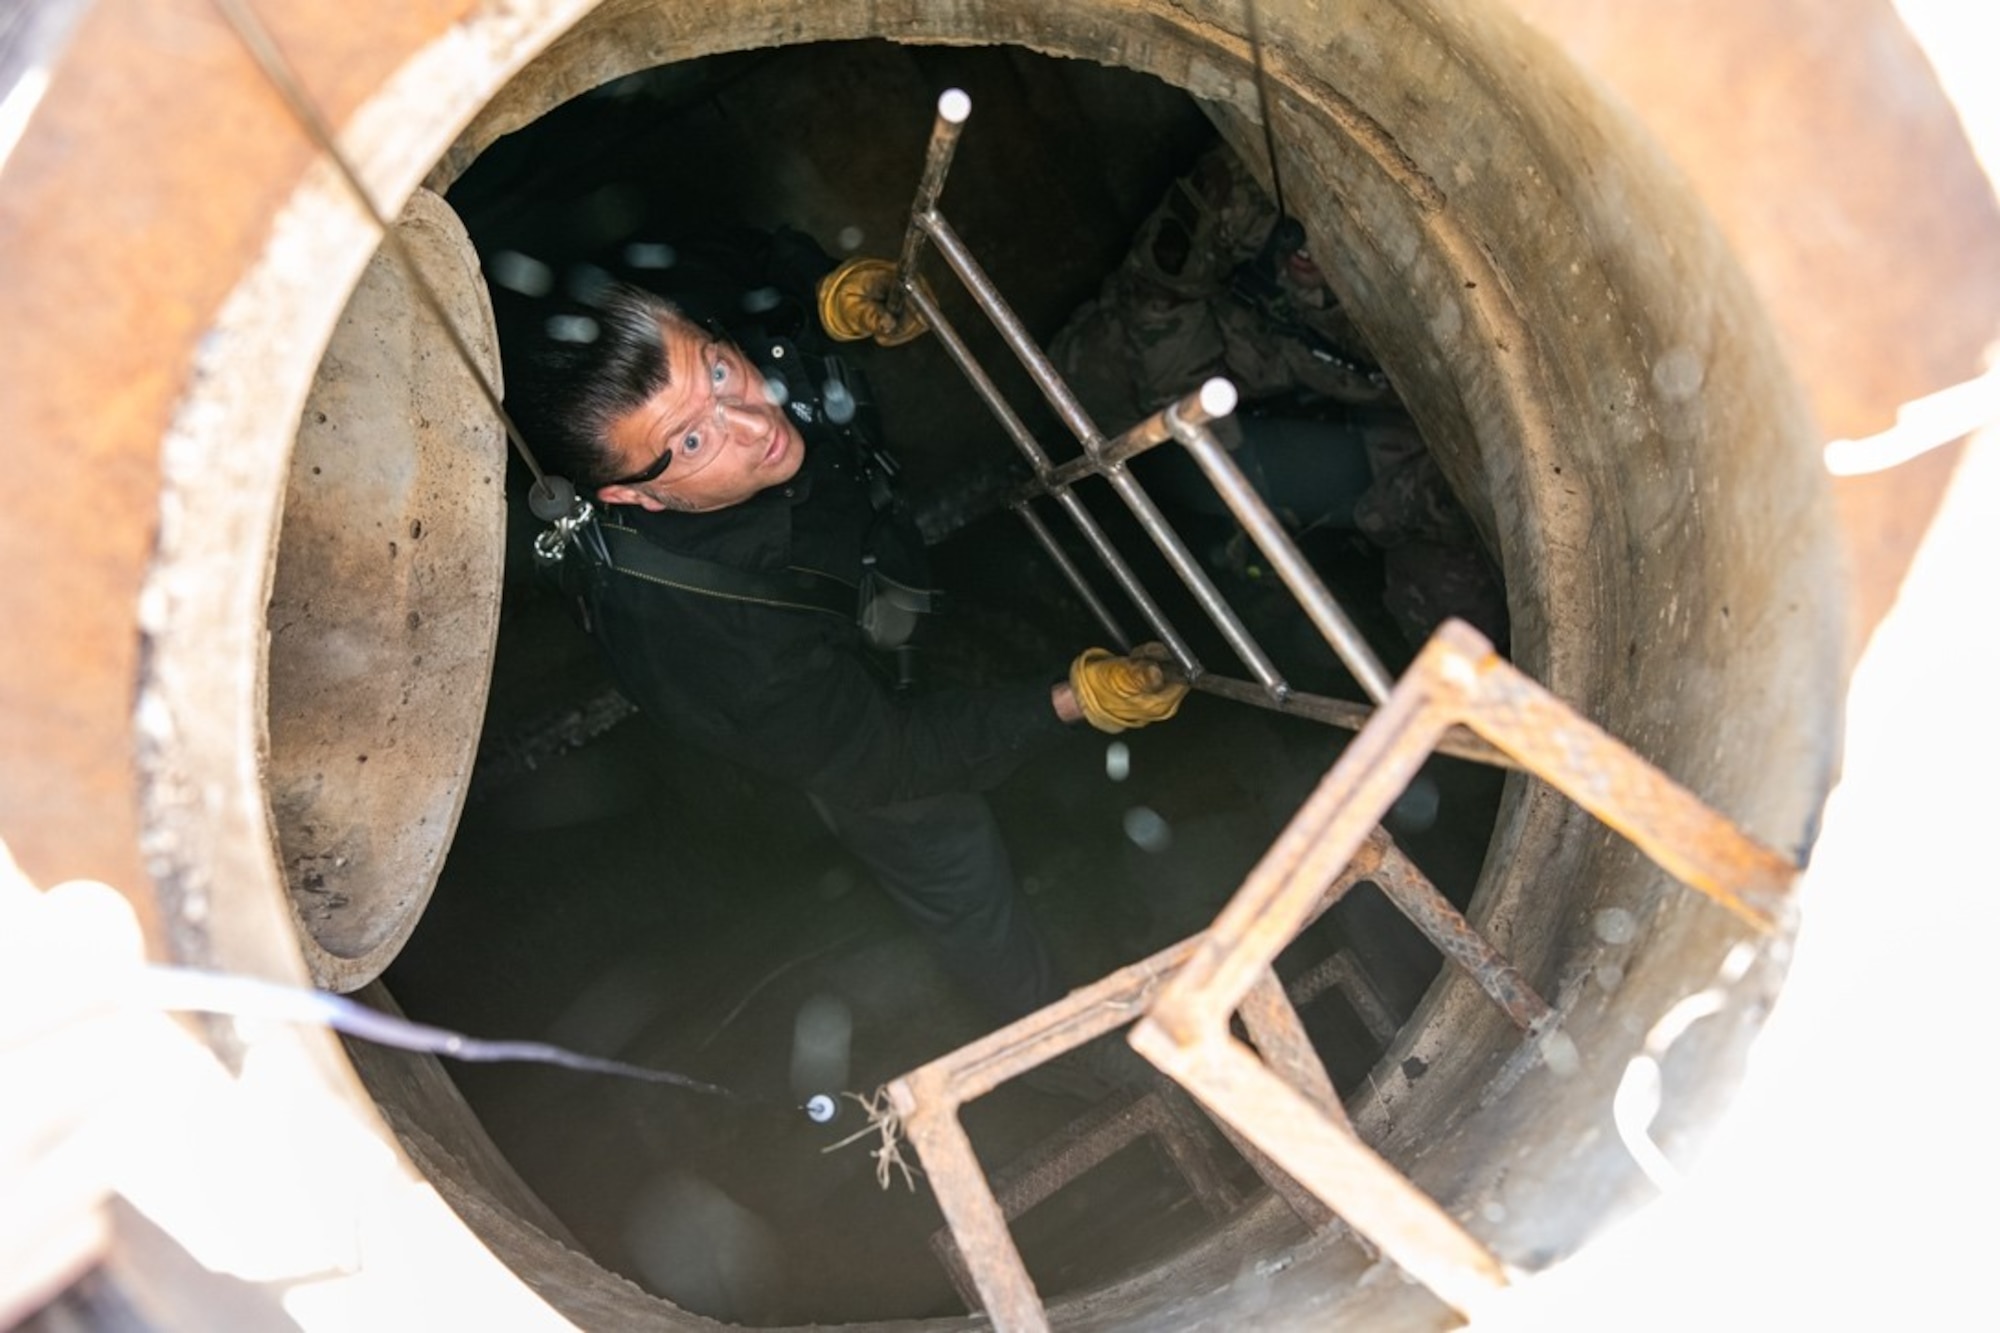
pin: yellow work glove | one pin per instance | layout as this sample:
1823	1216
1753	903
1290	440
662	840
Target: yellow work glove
1117	693
854	304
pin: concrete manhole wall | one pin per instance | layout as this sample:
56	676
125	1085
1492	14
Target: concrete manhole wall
1590	366
1549	298
385	599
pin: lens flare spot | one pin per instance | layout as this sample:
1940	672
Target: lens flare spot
521	273
1148	830
572	328
1118	761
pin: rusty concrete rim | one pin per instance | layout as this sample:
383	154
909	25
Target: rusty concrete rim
224	461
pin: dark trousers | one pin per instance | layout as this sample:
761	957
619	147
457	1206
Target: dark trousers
941	858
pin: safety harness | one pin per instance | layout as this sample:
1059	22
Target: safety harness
884	609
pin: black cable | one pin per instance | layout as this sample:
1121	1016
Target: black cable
1256	37
257	40
192	990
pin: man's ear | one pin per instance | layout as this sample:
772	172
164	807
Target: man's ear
628	495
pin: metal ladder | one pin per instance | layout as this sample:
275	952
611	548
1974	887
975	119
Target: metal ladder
1459	697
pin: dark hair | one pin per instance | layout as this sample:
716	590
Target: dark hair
580	371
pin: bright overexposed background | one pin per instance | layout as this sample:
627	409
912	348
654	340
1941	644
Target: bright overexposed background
1851	1185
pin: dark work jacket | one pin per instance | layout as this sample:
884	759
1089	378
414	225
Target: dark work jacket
791	693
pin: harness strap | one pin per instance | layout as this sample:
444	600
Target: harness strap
793	589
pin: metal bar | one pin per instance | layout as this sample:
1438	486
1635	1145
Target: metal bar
1091	1011
1376	1199
1342	971
1308	1207
1088	1144
1077	581
1012	331
945	1249
1066	406
1005	1290
1663	819
1279	1036
1281	1039
1458	743
953	107
1274	1026
1196	578
1081	1147
1134	588
927	1099
1431	912
1320	605
1213	400
1332	826
1024	439
1183	1136
975	1069
982	383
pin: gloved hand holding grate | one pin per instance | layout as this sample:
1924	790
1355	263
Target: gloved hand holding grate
1120	693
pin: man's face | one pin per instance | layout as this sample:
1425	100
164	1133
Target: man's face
729	440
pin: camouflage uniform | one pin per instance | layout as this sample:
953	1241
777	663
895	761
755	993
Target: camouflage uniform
1191	301
1434	565
1166	319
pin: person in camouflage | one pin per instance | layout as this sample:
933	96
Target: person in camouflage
1322	433
1183	306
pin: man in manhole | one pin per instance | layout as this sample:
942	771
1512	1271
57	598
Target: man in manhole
760	582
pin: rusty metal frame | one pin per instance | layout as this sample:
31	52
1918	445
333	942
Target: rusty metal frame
1170	1121
1276	1099
927	1101
1343	973
1274	1027
983	1258
1457	678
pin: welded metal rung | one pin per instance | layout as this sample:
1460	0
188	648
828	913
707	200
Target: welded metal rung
1172	1123
1343	973
1188	422
1270	1017
1381	862
927	1101
1086	1143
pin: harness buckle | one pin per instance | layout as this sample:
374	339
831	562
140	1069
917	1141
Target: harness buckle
577	527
